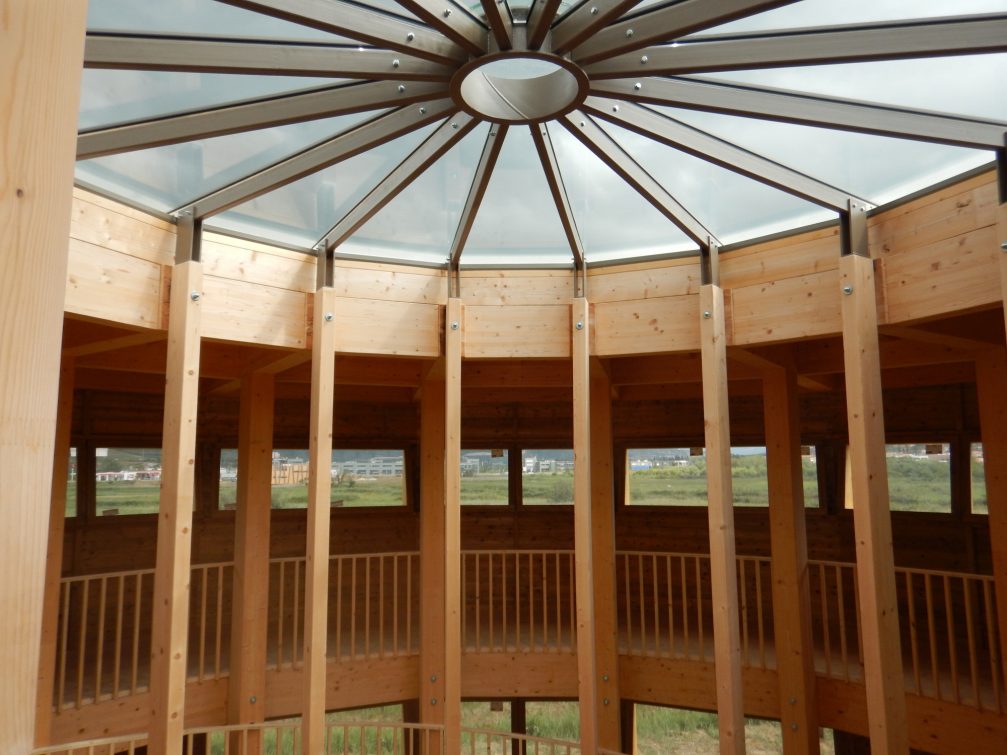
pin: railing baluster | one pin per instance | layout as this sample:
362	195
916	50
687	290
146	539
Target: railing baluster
656	605
935	678
280	613
559	604
220	620
395	605
952	649
479	604
82	644
671	607
202	622
543	567
743	589
629	604
64	633
353	606
296	612
913	640
138	600
117	667
991	640
699	609
685	609
531	601
100	637
490	600
367	606
822	585
969	629
759	613
640	599
339	607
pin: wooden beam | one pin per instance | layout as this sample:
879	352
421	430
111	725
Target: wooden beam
40	65
246	699
316	580
170	618
453	345
795	654
270	364
114	344
868	489
723	571
991	379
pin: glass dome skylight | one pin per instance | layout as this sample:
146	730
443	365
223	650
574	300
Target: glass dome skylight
533	133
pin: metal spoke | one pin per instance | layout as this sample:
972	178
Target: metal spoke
481	179
341	147
964	35
501	24
553	176
585	20
667	23
807	109
364	24
227	55
605	147
432	149
717	151
543	13
451	20
296	107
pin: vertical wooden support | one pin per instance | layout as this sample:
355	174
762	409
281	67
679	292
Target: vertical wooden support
628	728
170	620
723	571
587	669
603	558
54	563
518	724
250	603
452	526
40	66
316	579
789	547
991	382
868	488
1001	238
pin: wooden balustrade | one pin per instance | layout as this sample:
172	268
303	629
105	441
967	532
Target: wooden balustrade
518	600
488	742
835	620
210	620
384	738
129	744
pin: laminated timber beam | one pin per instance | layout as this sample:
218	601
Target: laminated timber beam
40	57
500	22
452	628
868	490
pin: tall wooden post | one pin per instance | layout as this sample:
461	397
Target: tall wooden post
723	568
452	525
587	669
170	619
40	65
316	579
250	603
886	701
789	545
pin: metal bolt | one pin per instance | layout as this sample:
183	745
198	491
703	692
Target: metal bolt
195	296
454	126
433	701
594	11
644	60
707	315
423	111
402	88
847	290
1003	245
605	701
793	701
395	63
638	86
454	325
582	124
793	727
604	677
433	678
410	37
447	12
615	108
629	33
579	325
252	699
328	317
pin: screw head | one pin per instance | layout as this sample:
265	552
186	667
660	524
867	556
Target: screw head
629	33
638	86
594	11
847	290
252	699
579	325
396	63
605	701
707	315
454	126
615	108
328	317
402	88
793	727
604	677
644	60
423	111
433	701
195	295
793	701
454	325
447	12
410	37
1003	245
433	678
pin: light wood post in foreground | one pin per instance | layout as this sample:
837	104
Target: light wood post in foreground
316	578
795	653
723	569
453	341
1001	239
587	670
246	699
170	613
868	489
40	67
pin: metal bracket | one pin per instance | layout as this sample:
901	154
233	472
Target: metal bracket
1001	157
324	273
454	278
853	229
579	279
709	262
188	237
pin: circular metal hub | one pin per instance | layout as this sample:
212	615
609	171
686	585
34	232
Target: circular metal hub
519	87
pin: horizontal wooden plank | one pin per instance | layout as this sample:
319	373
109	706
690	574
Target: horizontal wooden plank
807	254
240	311
390	283
517	288
371	326
111	286
645	283
122	229
516	331
256	263
649	326
787	309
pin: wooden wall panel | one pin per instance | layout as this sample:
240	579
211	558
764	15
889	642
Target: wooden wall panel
115	226
785	309
646	326
645	281
246	261
241	311
521	331
803	254
389	282
516	288
112	286
369	326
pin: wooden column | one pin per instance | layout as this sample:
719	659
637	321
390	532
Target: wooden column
991	383
587	669
246	699
603	558
54	563
316	579
628	728
170	618
518	725
868	488
1001	238
723	568
789	546
452	526
40	65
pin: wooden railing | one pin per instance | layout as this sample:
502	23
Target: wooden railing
835	619
129	744
518	600
386	738
488	742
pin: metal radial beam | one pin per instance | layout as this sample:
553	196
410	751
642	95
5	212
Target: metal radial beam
266	112
959	35
585	20
341	147
667	23
707	147
364	24
543	13
451	20
553	176
500	22
807	109
147	52
608	151
432	149
481	179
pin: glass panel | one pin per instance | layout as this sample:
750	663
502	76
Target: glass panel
485	477
71	485
665	477
517	222
919	477
978	466
302	212
877	168
732	206
547	477
389	6
420	223
127	480
111	97
227	490
167	177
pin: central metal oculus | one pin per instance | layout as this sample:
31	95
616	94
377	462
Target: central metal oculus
519	87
